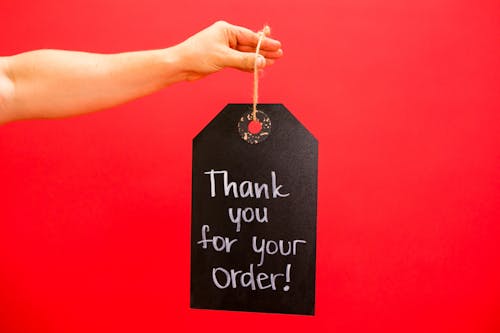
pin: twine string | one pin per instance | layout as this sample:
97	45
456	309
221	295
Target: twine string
262	34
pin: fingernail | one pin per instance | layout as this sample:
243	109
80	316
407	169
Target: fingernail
261	61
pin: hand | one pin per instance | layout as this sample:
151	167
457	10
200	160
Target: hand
225	45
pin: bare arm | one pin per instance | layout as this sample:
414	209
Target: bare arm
55	83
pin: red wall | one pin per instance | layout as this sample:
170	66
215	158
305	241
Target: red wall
404	99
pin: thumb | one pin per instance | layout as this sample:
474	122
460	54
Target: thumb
245	60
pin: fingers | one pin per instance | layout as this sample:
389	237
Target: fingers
270	44
247	38
266	53
245	61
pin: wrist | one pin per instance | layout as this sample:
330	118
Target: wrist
172	68
176	64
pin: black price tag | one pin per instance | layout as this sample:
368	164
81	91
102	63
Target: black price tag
253	233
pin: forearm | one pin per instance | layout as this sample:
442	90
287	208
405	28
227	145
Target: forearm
53	83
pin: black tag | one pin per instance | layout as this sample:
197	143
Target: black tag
253	233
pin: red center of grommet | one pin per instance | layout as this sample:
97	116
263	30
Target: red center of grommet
254	126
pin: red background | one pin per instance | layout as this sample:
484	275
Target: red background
404	99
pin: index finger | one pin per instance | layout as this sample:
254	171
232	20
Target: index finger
246	37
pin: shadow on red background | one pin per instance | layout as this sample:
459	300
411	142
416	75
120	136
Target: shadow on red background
404	99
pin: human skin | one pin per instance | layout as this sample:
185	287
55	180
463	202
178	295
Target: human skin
57	83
